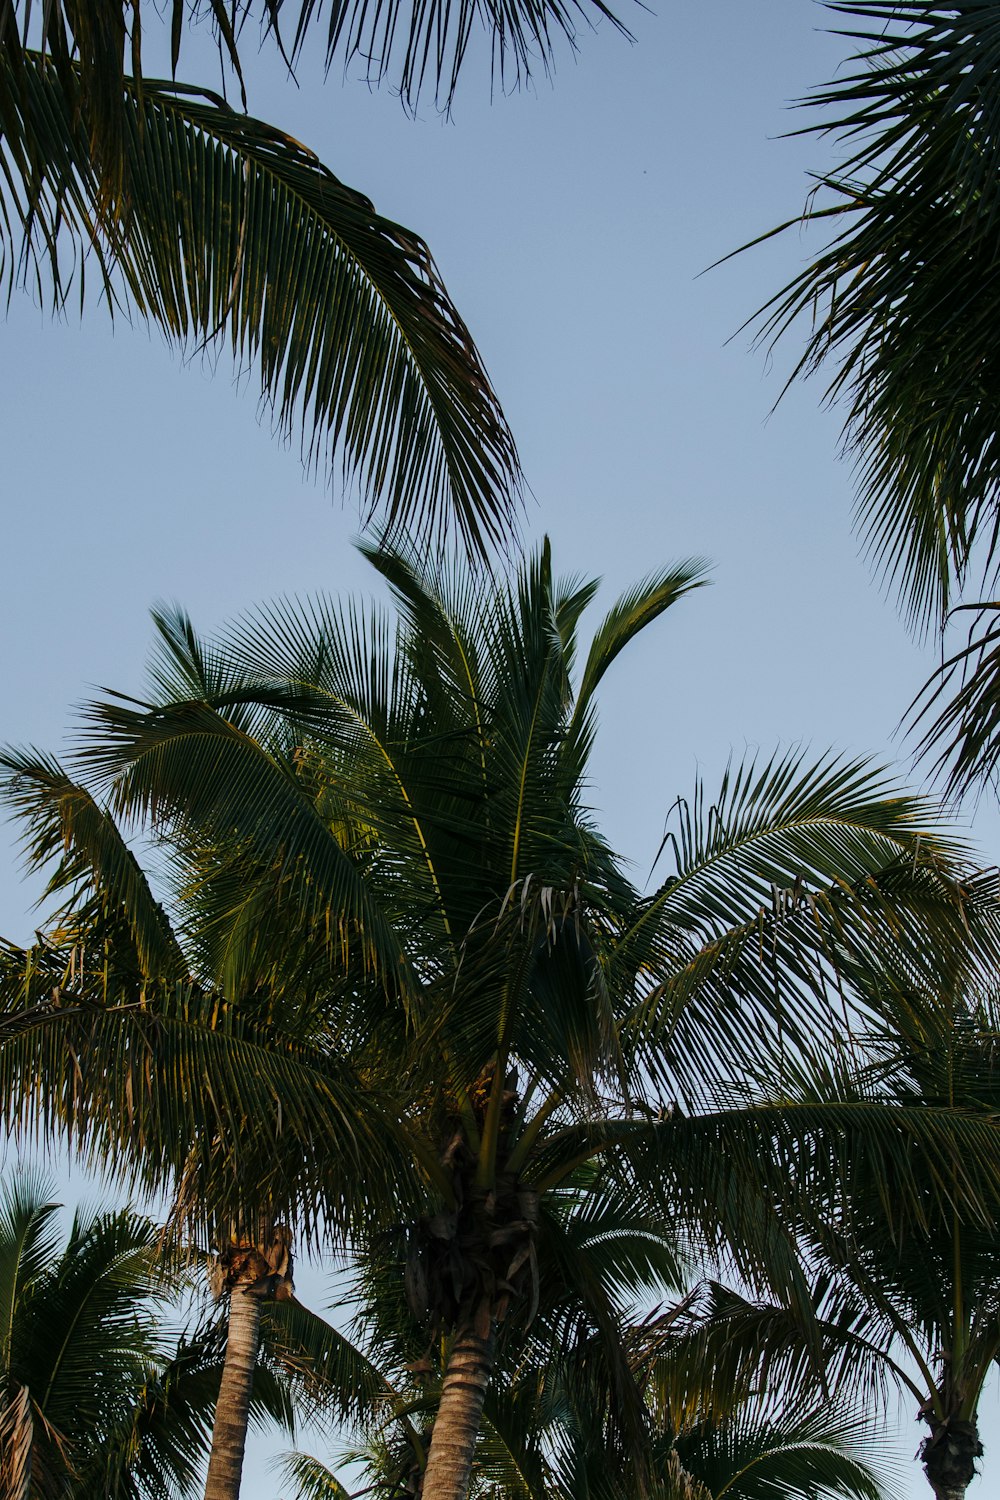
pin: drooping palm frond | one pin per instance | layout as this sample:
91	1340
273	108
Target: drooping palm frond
902	299
958	709
418	49
233	233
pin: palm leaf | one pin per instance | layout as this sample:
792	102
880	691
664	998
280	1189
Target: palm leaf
311	1478
959	707
900	299
631	614
62	818
758	1453
234	233
791	869
27	1246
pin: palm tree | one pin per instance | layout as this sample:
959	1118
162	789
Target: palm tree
911	1307
382	836
929	1298
97	1395
161	1057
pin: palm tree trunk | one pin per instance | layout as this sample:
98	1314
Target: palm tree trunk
232	1411
949	1456
456	1427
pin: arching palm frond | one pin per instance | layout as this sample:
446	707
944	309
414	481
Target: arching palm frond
764	1451
309	1478
794	868
227	232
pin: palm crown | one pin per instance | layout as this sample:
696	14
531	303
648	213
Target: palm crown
408	990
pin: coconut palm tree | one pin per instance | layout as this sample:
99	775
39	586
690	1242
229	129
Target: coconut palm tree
97	1393
158	1056
383	834
911	1309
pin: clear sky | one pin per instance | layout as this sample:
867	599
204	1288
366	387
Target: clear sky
571	224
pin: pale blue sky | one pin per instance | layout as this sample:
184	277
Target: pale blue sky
570	225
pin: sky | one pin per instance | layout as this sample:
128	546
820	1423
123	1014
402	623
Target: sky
573	224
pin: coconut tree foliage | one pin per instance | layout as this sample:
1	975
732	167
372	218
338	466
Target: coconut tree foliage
407	993
899	297
222	230
545	1432
899	311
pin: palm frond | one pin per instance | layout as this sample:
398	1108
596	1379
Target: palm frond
62	820
233	233
792	867
631	614
797	1453
899	299
309	1478
959	708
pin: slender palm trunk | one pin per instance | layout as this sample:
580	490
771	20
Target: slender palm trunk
456	1427
229	1433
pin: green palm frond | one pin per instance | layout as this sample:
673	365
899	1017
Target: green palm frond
959	707
61	820
309	1478
199	769
233	233
900	300
794	1453
631	614
28	1241
790	870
